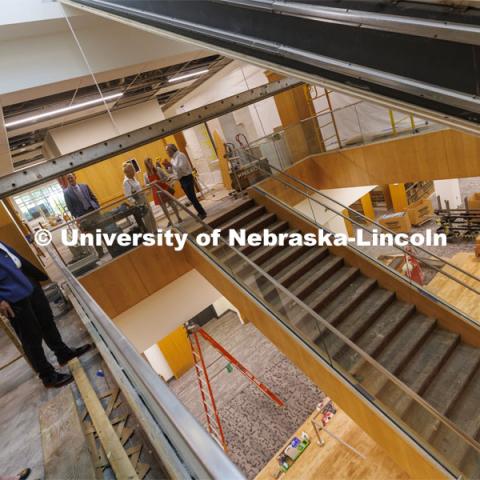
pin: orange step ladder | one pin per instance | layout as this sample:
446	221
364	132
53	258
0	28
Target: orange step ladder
214	425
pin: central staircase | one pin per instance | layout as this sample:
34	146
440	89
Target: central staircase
433	362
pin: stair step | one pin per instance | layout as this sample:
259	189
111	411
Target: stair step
227	254
262	254
294	271
304	263
445	389
277	226
420	370
347	299
332	287
306	323
241	219
465	415
314	277
283	259
378	334
232	212
356	322
396	353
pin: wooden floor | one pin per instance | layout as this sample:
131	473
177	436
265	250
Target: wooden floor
455	294
334	460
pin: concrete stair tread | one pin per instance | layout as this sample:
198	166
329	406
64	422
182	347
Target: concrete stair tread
228	255
445	389
348	298
282	259
397	352
242	218
307	260
261	254
339	280
237	208
304	285
384	327
358	320
420	370
465	415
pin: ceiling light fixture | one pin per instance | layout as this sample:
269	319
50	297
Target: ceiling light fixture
187	75
53	113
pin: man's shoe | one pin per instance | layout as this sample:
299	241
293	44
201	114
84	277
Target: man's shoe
74	352
57	380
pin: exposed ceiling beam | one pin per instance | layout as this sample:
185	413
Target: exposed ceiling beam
29	177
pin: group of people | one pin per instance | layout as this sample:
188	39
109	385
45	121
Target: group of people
80	199
22	299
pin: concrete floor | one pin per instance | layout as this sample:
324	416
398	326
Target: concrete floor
22	394
254	426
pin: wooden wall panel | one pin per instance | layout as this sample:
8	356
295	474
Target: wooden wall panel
132	277
427	156
400	449
106	178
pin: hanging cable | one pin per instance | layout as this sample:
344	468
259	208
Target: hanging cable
115	126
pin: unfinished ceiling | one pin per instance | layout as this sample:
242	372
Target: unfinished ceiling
28	122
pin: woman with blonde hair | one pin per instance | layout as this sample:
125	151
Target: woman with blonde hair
135	196
159	180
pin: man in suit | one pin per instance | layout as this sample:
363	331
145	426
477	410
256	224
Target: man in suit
80	200
24	303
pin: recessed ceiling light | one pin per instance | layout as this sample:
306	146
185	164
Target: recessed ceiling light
187	75
53	113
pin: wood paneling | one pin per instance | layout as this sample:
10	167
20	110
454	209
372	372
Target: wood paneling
398	195
177	352
132	277
396	444
106	178
427	156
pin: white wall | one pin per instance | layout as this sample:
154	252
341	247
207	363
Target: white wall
88	132
158	362
158	315
448	190
235	78
324	216
41	53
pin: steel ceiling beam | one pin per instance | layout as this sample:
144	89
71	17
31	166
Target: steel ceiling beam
24	179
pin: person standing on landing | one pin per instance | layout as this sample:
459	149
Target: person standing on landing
182	170
23	302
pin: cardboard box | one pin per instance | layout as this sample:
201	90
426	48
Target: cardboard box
398	222
474	201
420	211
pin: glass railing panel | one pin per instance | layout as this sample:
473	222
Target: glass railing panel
409	411
352	125
94	239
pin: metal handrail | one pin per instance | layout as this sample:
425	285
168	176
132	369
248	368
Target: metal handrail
365	356
197	451
368	220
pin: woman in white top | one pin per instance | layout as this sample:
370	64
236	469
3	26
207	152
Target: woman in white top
135	196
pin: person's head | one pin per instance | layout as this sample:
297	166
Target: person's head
71	179
149	165
171	149
128	170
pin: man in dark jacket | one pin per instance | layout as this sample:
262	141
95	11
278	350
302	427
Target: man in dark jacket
23	302
80	200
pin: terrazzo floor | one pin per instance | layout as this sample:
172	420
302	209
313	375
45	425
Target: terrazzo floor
255	427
